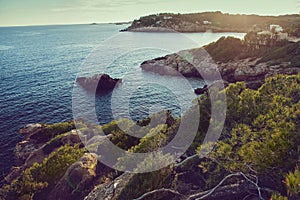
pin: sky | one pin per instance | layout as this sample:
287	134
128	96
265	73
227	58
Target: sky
44	12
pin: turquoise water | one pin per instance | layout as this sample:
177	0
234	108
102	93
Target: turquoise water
39	64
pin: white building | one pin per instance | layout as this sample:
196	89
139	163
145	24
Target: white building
206	22
167	17
277	28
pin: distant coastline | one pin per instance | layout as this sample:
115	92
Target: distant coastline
213	22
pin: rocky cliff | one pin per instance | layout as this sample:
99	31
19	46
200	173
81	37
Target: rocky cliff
233	64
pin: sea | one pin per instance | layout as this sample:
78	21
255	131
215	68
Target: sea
39	66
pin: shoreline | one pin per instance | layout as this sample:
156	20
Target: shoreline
168	30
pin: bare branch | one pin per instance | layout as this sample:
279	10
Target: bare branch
195	196
187	159
159	190
254	183
203	195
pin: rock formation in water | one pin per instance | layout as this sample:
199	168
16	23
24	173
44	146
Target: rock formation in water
100	83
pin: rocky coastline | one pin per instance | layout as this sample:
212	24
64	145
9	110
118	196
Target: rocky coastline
53	161
199	63
246	70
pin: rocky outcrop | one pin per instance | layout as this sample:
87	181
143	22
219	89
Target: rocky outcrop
188	63
24	148
100	83
76	179
22	151
197	63
30	151
110	189
31	129
201	90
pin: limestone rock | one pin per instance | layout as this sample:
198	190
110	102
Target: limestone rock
77	178
197	63
98	83
31	129
28	152
110	189
22	151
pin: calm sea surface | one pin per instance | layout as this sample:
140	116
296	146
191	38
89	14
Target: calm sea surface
38	66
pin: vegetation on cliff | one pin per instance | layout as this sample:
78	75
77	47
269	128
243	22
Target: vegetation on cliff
256	57
37	181
258	151
216	22
255	46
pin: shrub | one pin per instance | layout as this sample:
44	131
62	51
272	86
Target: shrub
225	49
40	178
264	131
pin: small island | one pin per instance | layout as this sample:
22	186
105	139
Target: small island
100	83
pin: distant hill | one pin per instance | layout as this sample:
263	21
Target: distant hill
215	22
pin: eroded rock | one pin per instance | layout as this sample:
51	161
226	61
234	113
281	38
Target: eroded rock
77	178
110	189
196	63
100	83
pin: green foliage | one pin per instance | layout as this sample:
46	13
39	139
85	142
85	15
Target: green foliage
124	132
122	129
142	183
255	46
52	130
39	178
24	187
53	143
261	135
55	166
225	49
278	197
155	139
123	140
292	182
265	129
233	98
221	22
112	126
285	53
59	128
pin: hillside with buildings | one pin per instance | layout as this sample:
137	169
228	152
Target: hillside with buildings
216	22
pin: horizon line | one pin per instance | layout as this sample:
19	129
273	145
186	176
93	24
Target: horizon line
63	24
130	21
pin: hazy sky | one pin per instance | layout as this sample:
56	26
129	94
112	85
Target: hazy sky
32	12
